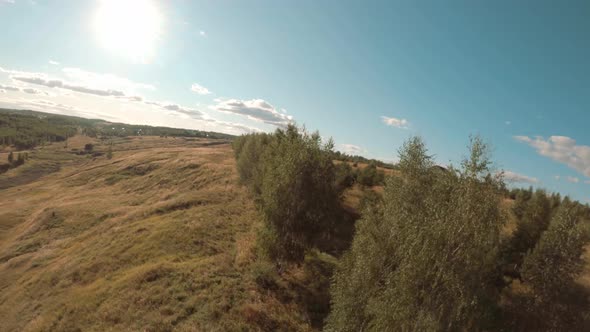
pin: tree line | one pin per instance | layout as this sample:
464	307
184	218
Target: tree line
430	255
24	129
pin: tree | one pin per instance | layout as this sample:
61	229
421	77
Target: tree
424	259
344	176
298	196
533	216
10	157
551	268
88	147
110	152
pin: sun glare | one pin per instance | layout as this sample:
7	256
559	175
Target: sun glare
128	27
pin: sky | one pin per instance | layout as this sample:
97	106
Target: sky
369	74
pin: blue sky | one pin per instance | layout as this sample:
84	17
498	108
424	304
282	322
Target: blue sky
367	73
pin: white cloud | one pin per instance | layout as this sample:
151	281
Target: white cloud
9	87
105	81
106	96
202	33
199	89
7	1
26	90
193	113
520	178
255	109
395	122
562	149
351	149
508	123
572	179
34	91
53	62
63	85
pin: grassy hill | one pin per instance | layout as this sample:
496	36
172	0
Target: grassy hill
159	237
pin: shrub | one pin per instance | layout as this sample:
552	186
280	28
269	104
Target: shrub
344	176
425	258
370	176
533	215
293	178
552	267
298	196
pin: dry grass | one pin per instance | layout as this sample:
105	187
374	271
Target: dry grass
161	237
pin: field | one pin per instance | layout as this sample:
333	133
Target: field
159	237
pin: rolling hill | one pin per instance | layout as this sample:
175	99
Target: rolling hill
159	237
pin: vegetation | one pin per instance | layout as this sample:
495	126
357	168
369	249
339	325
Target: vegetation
176	243
337	155
27	129
168	246
406	267
370	176
551	269
294	176
429	256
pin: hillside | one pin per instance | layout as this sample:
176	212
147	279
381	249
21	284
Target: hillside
162	236
159	237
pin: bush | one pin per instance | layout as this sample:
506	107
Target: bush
370	176
533	213
552	267
344	175
293	177
425	258
299	199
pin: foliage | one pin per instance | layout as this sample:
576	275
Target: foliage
110	151
370	176
345	176
88	147
533	215
551	269
293	176
337	155
299	199
425	258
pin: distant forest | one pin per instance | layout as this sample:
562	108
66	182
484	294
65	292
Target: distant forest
27	129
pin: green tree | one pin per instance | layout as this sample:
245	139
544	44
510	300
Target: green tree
551	268
110	152
344	176
534	217
298	197
425	258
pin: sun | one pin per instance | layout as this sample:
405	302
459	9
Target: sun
130	28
